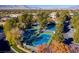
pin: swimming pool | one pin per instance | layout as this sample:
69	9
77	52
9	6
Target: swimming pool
42	39
51	27
45	36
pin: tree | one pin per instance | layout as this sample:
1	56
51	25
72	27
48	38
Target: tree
55	47
42	48
75	22
57	14
12	32
59	30
42	18
11	23
25	21
59	47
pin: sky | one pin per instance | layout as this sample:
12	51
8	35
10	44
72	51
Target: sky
50	6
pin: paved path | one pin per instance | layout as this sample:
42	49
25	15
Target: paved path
25	50
14	50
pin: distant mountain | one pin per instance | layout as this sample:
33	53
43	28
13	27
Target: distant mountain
74	7
55	7
58	7
13	7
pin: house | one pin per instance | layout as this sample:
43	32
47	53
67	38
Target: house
15	15
71	14
53	17
3	19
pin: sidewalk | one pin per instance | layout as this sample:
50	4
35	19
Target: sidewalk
27	51
14	50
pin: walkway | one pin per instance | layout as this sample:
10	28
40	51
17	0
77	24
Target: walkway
25	50
14	50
